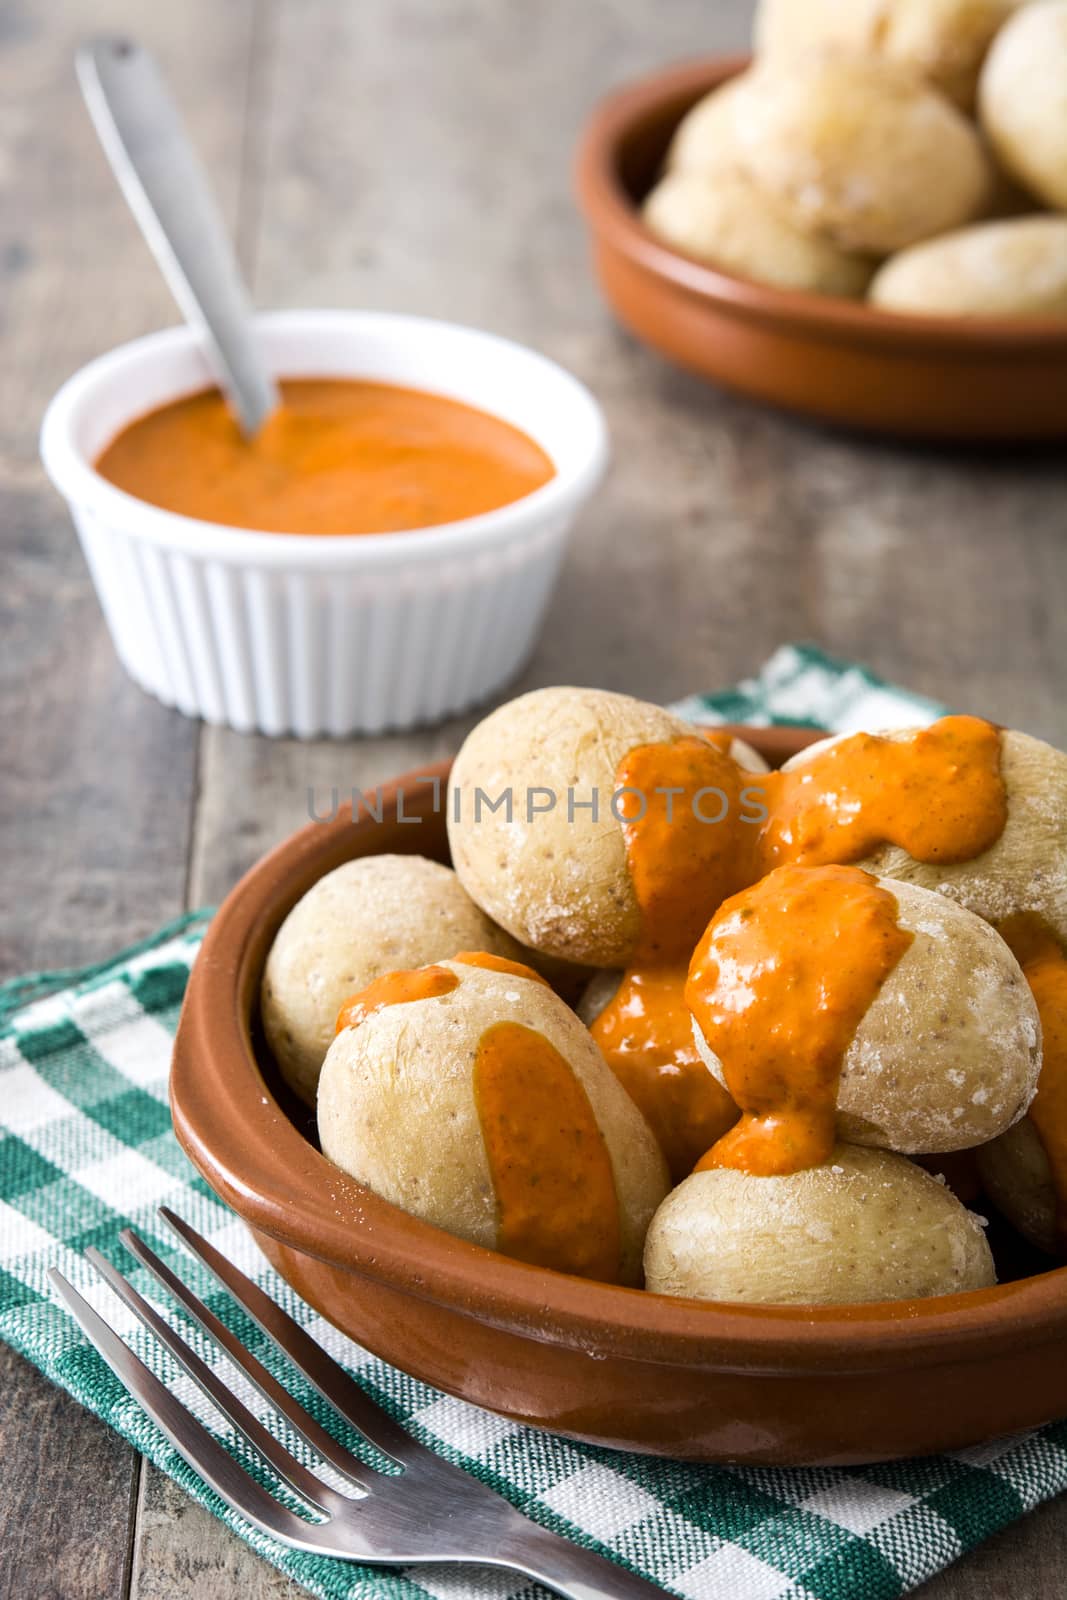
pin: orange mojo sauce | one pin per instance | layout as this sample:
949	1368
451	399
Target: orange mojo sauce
1044	965
395	989
551	1171
939	795
779	984
339	456
680	869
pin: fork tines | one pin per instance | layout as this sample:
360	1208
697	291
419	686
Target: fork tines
189	1436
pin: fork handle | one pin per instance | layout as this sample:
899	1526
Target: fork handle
572	1571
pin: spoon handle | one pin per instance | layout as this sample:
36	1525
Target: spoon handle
167	191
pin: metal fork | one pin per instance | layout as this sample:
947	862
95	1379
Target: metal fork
431	1511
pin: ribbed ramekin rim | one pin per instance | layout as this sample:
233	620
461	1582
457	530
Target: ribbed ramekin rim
84	489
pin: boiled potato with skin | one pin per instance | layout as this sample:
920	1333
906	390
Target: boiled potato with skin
1022	99
949	1050
1026	870
1018	1179
1016	268
367	917
866	1225
704	141
792	28
727	221
397	1107
944	41
559	883
858	150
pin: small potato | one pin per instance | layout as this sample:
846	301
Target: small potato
367	917
727	221
553	875
859	151
1026	870
704	140
1018	1179
949	1050
398	1110
1016	268
944	41
1022	99
866	1225
791	28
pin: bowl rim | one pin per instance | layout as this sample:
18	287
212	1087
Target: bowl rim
610	212
254	1156
74	475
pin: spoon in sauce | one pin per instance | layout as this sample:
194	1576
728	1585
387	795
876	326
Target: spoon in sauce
167	190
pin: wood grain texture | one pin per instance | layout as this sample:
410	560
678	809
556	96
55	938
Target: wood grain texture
66	1493
415	155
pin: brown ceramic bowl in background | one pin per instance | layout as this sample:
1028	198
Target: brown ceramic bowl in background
839	360
758	1384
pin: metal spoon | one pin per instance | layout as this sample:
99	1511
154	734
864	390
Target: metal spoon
168	192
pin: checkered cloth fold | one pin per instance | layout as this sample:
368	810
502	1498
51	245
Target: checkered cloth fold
86	1148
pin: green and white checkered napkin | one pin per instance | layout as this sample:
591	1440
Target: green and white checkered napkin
87	1148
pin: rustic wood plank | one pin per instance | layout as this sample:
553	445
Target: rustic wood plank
65	1495
182	1550
99	780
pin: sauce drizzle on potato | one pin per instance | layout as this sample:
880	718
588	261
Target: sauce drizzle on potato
680	867
779	984
549	1162
394	989
698	828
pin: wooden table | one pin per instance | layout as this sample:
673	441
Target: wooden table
414	155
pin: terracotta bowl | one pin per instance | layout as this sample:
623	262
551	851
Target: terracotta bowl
614	1366
927	377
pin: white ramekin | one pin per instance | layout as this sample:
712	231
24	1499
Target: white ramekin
298	634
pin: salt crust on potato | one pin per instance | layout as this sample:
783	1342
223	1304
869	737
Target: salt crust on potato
1022	99
944	41
368	917
858	150
397	1109
867	1225
559	884
949	1051
1014	268
1026	870
726	220
1018	1180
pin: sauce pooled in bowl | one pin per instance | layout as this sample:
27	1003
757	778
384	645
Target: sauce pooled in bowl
339	456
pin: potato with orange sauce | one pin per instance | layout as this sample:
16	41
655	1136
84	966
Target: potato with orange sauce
1026	868
472	1097
364	918
551	873
948	1052
864	1225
